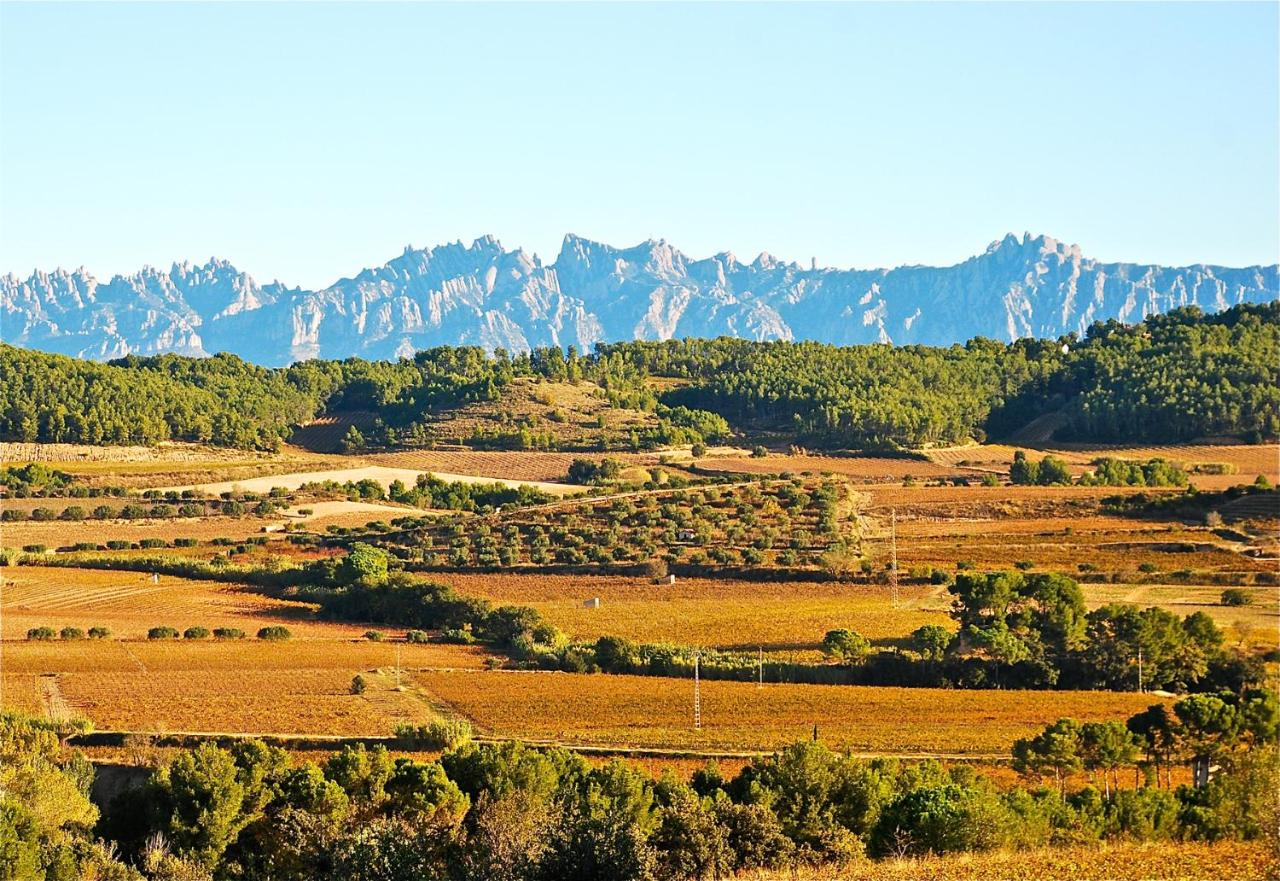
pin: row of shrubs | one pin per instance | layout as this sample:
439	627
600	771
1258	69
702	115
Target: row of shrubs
265	508
273	633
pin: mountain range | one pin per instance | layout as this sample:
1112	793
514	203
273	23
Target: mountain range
485	295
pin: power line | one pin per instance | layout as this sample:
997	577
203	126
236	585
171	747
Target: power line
697	694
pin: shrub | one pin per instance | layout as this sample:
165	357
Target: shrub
116	544
150	543
228	633
1148	568
1234	596
162	633
698	450
196	632
72	512
419	636
99	632
34	549
13	515
452	636
184	542
84	546
357	684
442	734
374	635
41	633
43	514
759	452
103	512
71	633
274	633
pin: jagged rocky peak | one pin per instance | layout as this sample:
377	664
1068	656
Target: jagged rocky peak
483	294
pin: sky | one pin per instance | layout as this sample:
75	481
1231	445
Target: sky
304	142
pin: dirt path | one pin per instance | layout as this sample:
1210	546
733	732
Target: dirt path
382	474
55	705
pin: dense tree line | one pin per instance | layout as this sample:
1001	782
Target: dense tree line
509	812
1171	377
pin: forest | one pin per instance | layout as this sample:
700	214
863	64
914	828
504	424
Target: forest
1172	377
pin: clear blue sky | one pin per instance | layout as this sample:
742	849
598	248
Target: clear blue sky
304	142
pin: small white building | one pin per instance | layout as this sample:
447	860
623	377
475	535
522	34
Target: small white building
593	603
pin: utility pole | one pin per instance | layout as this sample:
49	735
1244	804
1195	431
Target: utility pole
697	695
1141	690
760	683
893	541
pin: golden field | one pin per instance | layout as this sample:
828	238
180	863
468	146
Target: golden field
657	713
784	616
1153	861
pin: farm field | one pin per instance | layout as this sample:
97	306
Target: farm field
1249	460
246	687
1154	861
658	713
860	467
781	617
129	603
379	473
528	466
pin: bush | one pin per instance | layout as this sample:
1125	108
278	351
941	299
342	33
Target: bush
116	544
184	542
196	632
13	515
451	636
845	646
1234	596
274	633
442	734
43	514
151	543
69	633
759	452
374	635
72	512
162	633
228	633
420	636
698	450
357	684
34	549
41	633
99	632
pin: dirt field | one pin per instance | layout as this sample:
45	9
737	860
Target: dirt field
381	474
528	466
657	712
858	467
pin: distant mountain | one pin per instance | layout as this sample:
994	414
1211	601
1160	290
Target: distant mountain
487	296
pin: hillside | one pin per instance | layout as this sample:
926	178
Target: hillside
1172	378
487	296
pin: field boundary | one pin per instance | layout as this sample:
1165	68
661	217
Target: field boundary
333	742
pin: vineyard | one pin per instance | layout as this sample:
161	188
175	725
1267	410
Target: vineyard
786	619
658	713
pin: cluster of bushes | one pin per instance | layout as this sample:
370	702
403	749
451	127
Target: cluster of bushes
511	812
197	632
45	634
1049	471
430	491
1122	472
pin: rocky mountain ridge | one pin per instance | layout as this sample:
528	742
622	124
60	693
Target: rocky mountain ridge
485	295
